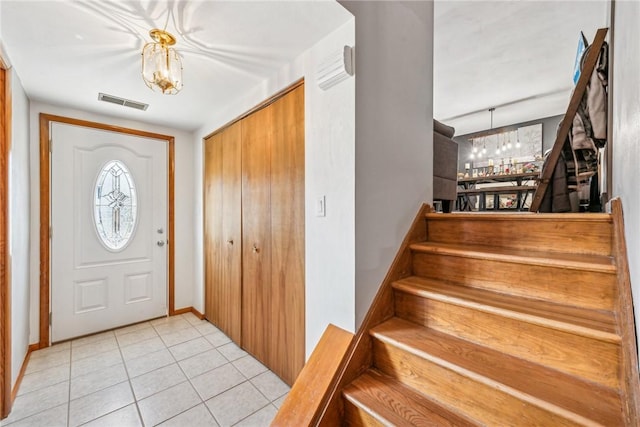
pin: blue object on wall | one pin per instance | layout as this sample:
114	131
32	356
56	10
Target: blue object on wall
583	43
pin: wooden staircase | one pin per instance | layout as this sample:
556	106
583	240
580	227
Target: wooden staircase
494	320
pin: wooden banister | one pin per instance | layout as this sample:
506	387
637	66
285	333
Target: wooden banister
309	393
572	109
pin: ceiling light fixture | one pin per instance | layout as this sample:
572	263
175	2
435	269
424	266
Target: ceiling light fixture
161	64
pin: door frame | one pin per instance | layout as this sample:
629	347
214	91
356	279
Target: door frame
45	210
5	278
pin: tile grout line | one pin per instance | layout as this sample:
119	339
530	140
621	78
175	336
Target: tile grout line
251	414
126	370
202	401
69	390
198	335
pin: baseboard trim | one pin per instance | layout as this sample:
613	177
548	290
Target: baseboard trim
197	313
16	386
188	310
180	311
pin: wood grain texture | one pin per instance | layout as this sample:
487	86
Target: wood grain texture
577	233
595	290
597	403
308	394
231	243
598	324
45	206
212	220
287	282
485	401
591	263
222	228
594	359
259	106
375	399
5	293
500	334
572	109
359	357
171	232
256	233
629	376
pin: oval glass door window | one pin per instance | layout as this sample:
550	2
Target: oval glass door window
115	205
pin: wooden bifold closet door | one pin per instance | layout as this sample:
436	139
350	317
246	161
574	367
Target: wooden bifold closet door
256	232
267	316
287	303
223	230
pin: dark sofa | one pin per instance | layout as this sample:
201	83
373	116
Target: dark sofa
445	165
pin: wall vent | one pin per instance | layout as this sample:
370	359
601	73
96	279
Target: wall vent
121	101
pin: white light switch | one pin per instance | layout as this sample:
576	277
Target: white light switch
321	208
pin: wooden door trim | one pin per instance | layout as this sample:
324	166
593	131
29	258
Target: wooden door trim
45	209
5	284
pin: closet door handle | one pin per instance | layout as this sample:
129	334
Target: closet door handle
230	241
255	249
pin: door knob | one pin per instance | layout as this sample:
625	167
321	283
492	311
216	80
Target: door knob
230	241
255	249
160	243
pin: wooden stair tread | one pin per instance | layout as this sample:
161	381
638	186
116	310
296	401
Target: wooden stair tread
392	403
544	385
562	260
598	324
524	216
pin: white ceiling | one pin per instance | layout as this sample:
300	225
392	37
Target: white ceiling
516	56
65	52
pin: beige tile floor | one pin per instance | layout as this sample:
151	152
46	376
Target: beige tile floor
177	371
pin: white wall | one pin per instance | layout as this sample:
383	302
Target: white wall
394	141
329	171
184	202
19	224
625	142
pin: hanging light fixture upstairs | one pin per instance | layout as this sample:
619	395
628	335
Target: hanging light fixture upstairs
161	64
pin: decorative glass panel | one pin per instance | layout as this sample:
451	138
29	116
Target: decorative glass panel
115	205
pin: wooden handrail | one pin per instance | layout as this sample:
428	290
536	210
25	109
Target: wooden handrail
572	109
309	393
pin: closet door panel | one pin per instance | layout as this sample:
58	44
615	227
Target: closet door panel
230	305
287	287
212	225
256	243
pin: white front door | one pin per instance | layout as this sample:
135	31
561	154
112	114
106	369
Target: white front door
109	222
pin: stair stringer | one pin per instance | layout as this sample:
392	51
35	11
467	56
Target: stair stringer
359	355
625	321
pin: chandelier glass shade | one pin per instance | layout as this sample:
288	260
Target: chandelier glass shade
161	64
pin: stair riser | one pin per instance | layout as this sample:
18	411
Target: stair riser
574	354
484	403
578	237
585	289
354	416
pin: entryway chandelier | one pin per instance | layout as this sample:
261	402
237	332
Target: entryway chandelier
161	64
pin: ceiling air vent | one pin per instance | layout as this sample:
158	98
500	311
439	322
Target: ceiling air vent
121	101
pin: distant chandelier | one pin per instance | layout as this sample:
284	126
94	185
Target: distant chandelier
161	64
